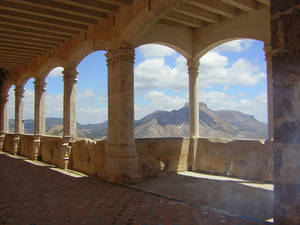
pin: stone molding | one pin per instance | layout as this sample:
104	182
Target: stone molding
40	85
19	92
120	55
268	53
70	74
193	67
3	97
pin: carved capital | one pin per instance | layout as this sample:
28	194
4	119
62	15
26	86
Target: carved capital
40	85
193	67
120	55
19	92
3	97
268	52
70	74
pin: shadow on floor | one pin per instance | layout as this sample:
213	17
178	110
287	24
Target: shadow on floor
237	196
40	194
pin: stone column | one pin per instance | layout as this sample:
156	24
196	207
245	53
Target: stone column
285	22
69	120
4	122
268	58
39	106
39	115
193	67
19	110
121	157
69	107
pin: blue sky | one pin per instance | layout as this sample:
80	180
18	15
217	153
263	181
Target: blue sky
231	76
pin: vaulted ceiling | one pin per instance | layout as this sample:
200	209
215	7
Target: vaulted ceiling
30	28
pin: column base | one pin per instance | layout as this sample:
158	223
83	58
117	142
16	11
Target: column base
192	154
121	170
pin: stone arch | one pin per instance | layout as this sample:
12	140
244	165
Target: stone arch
219	42
170	45
84	49
22	81
52	63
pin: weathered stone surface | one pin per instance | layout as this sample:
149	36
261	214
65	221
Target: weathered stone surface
51	150
287	185
26	145
238	158
87	156
286	73
158	156
9	143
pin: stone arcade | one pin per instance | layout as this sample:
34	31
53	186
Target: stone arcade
37	36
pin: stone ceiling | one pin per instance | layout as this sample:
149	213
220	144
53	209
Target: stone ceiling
30	28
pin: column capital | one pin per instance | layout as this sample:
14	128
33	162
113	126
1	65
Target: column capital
3	97
40	84
268	52
70	74
120	55
19	91
193	66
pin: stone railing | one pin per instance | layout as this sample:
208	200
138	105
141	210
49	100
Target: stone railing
238	158
157	156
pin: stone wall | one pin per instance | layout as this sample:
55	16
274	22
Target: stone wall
87	156
51	150
162	155
26	147
9	143
237	158
158	156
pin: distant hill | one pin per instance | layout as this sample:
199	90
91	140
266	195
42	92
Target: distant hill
175	123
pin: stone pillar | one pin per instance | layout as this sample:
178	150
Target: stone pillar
39	106
268	58
19	110
121	158
39	115
193	67
4	122
285	23
69	107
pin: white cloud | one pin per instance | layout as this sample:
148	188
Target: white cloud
256	106
155	51
57	72
159	101
214	69
234	46
156	74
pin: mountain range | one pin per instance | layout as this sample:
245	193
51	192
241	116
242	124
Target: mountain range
175	123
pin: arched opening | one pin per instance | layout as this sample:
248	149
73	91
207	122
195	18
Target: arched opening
233	88
92	96
161	92
54	102
29	106
11	109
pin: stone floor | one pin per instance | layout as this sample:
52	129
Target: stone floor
241	197
34	193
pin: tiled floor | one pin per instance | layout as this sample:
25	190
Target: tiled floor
34	194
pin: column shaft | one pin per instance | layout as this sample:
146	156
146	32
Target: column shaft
19	110
268	58
39	106
4	121
70	91
193	66
121	158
